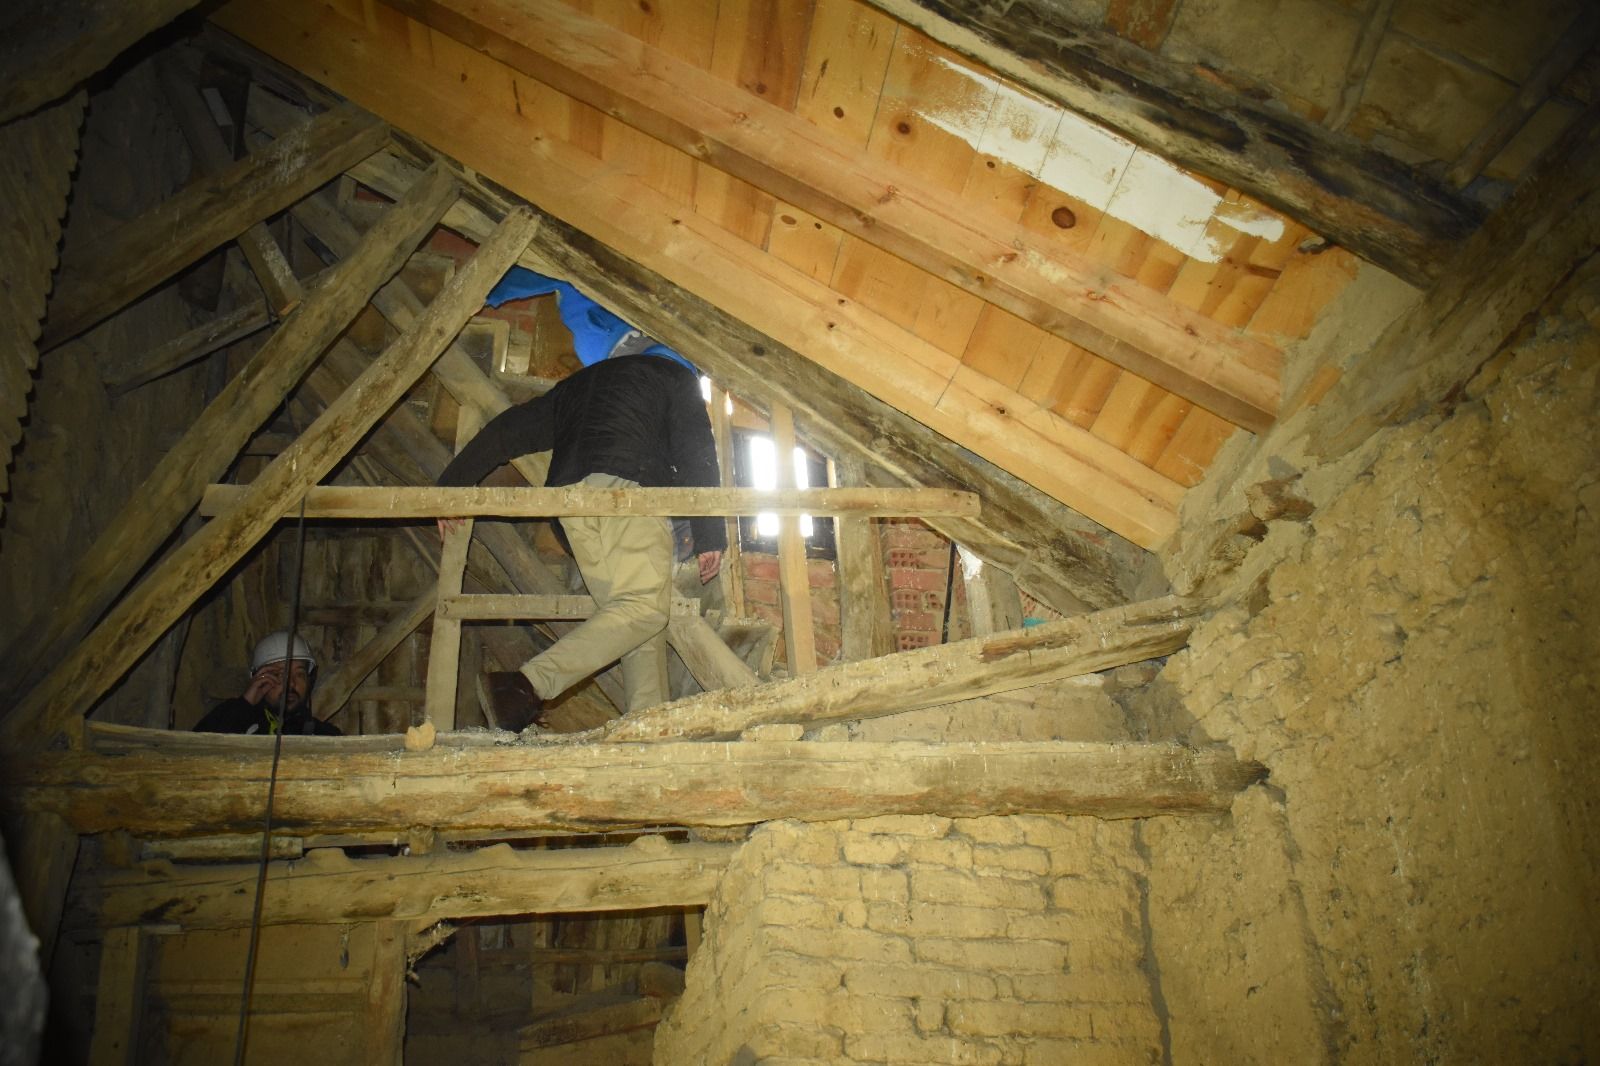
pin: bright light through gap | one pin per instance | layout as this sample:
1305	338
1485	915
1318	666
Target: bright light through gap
764	470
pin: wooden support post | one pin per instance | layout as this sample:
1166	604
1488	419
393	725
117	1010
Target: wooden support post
444	655
992	596
867	626
136	622
102	278
385	1022
119	998
333	693
800	638
159	503
732	574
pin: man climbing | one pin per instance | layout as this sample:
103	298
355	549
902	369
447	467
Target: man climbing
261	708
621	422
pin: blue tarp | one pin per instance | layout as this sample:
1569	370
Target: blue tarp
596	332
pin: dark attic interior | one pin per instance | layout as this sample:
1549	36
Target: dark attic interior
1173	641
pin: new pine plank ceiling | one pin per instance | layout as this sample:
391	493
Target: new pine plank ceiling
1104	440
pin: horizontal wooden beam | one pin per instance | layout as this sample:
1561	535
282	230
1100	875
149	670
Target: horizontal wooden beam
352	502
995	259
193	784
926	677
1344	190
327	886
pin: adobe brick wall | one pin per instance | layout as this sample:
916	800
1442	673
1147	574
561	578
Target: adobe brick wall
923	939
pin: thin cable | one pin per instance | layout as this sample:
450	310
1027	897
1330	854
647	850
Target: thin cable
272	785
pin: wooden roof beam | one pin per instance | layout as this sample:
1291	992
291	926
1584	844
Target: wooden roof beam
1349	193
476	120
781	153
197	784
326	886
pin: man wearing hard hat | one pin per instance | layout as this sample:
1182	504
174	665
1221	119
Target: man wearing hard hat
262	707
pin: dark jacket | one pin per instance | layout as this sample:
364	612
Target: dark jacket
238	716
638	417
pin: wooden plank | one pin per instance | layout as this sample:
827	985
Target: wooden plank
334	691
925	677
992	597
119	999
99	279
866	624
731	574
188	347
1548	226
798	162
512	607
1342	189
191	569
354	502
571	1027
794	578
1374	25
1062	558
711	662
327	887
444	655
384	1021
589	787
159	503
50	49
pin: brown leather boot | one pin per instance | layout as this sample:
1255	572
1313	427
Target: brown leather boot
508	700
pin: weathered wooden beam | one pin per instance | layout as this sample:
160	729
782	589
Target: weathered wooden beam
711	662
800	163
101	278
356	502
992	598
57	46
929	676
192	568
587	1023
794	577
1374	27
118	999
444	656
156	507
163	791
854	342
333	692
866	626
1547	228
1062	558
1350	193
188	347
326	886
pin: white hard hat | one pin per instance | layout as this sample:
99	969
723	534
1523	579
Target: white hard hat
271	650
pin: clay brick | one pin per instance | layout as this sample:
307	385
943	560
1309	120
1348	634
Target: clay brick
994	1017
944	852
802	912
1126	986
922	580
951	886
890	886
846	944
776	1043
783	967
936	919
759	567
1088	1053
794	879
994	830
816	843
1104	955
1020	859
917	982
943	1050
874	850
820	574
761	592
1055	926
1006	956
911	825
929	1015
853	914
835	1010
908	535
1091	895
922	621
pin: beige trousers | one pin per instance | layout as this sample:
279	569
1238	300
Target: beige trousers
627	565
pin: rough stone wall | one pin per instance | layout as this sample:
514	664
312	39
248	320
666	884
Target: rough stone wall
1416	668
923	940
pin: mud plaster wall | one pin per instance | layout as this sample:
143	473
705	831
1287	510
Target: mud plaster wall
1418	881
923	939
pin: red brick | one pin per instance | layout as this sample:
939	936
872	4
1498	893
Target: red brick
761	592
926	580
916	622
760	566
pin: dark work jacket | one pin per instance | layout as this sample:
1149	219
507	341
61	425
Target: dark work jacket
639	417
238	716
